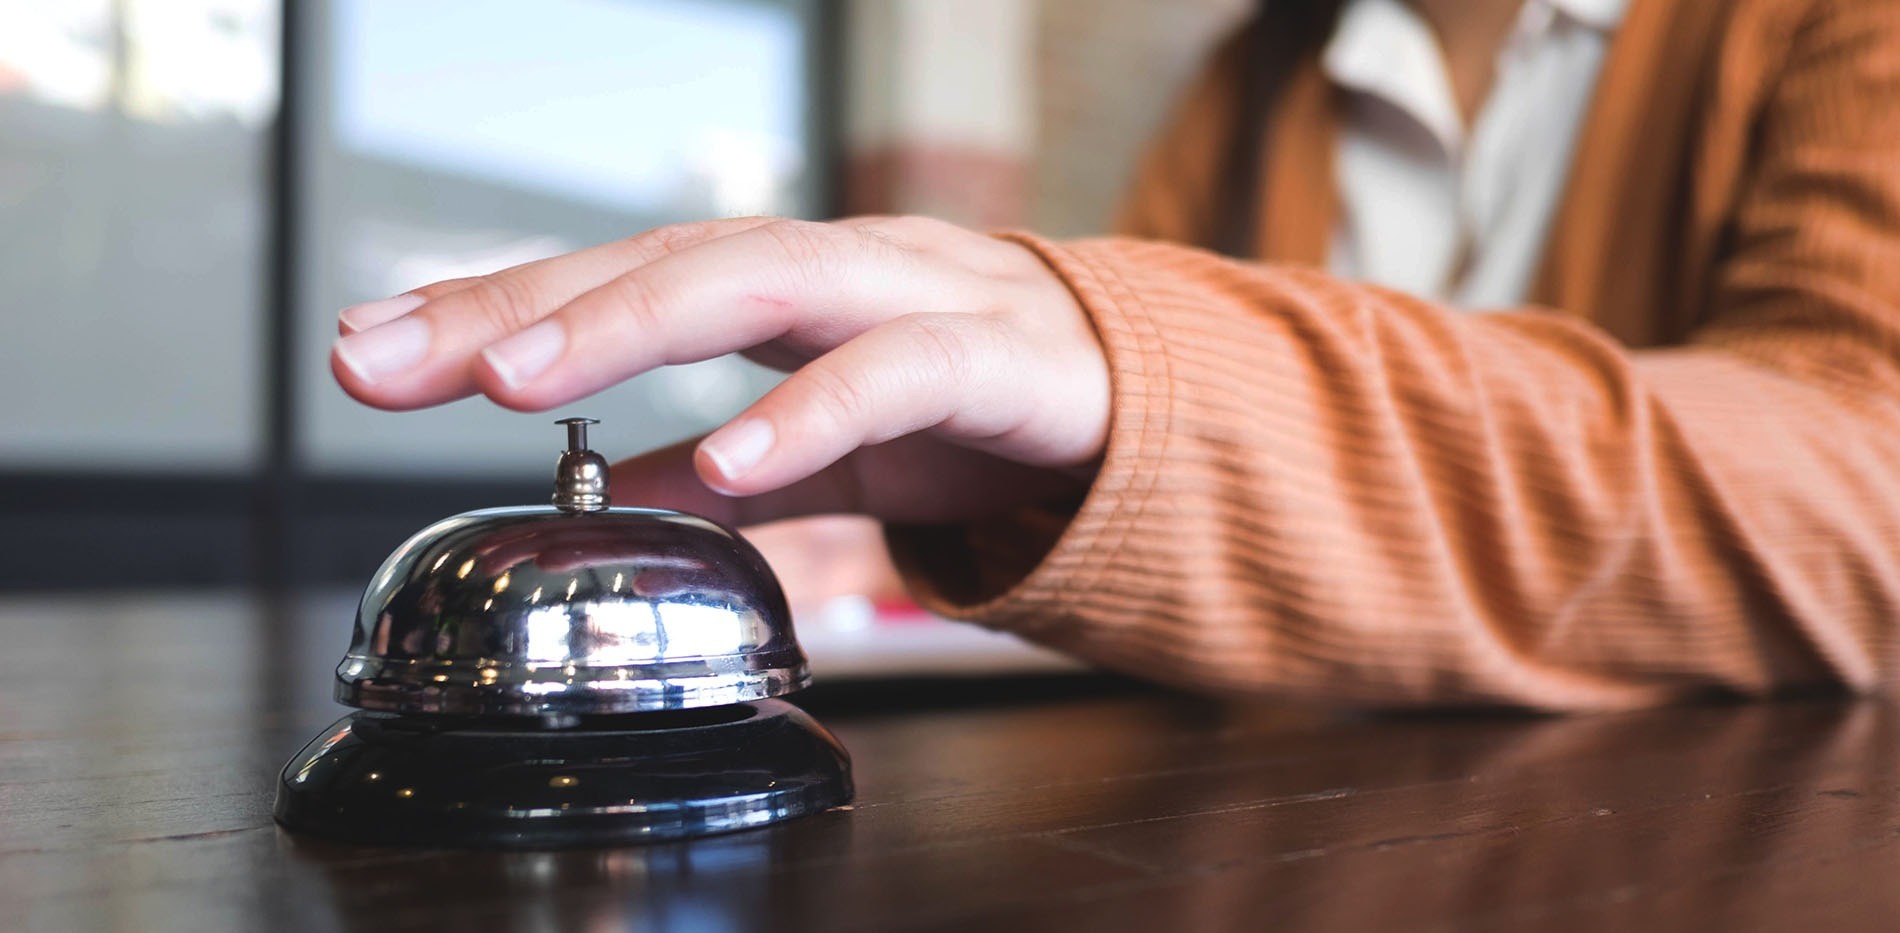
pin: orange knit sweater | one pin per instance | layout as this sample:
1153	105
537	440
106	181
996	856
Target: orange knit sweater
1681	473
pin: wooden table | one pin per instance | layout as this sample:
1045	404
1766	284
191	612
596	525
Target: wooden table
140	737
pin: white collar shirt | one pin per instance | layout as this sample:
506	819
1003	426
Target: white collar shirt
1434	208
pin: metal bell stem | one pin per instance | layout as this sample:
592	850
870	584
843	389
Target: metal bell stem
580	476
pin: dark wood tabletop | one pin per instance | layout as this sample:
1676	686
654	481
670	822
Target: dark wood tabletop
140	737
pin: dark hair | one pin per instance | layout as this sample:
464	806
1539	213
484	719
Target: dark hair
1281	35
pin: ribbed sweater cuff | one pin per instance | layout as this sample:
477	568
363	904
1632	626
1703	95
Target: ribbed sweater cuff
1034	571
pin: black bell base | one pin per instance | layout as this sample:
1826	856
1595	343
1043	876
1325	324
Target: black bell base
501	782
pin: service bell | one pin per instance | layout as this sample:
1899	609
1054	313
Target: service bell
568	674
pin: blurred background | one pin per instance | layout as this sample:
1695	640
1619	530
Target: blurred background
190	189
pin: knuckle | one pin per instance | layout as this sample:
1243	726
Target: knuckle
944	344
506	302
918	229
635	302
886	244
835	396
665	241
907	233
434	290
879	237
803	243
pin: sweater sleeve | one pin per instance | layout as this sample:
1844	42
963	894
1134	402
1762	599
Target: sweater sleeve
1322	489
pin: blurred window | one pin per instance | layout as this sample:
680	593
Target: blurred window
132	173
662	107
455	137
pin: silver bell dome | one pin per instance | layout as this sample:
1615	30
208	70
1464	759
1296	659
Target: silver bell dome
571	608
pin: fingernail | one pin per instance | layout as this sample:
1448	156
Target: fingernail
738	447
528	354
371	313
381	352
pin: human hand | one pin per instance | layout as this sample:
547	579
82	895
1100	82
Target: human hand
936	374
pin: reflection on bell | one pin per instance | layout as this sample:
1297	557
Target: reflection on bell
571	674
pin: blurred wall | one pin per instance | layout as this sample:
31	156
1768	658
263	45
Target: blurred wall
1003	113
939	109
1107	73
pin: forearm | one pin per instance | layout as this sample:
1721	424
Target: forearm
1313	487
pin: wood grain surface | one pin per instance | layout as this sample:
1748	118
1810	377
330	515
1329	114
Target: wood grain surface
140	737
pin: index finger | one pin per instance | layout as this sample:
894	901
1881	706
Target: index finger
814	285
422	357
